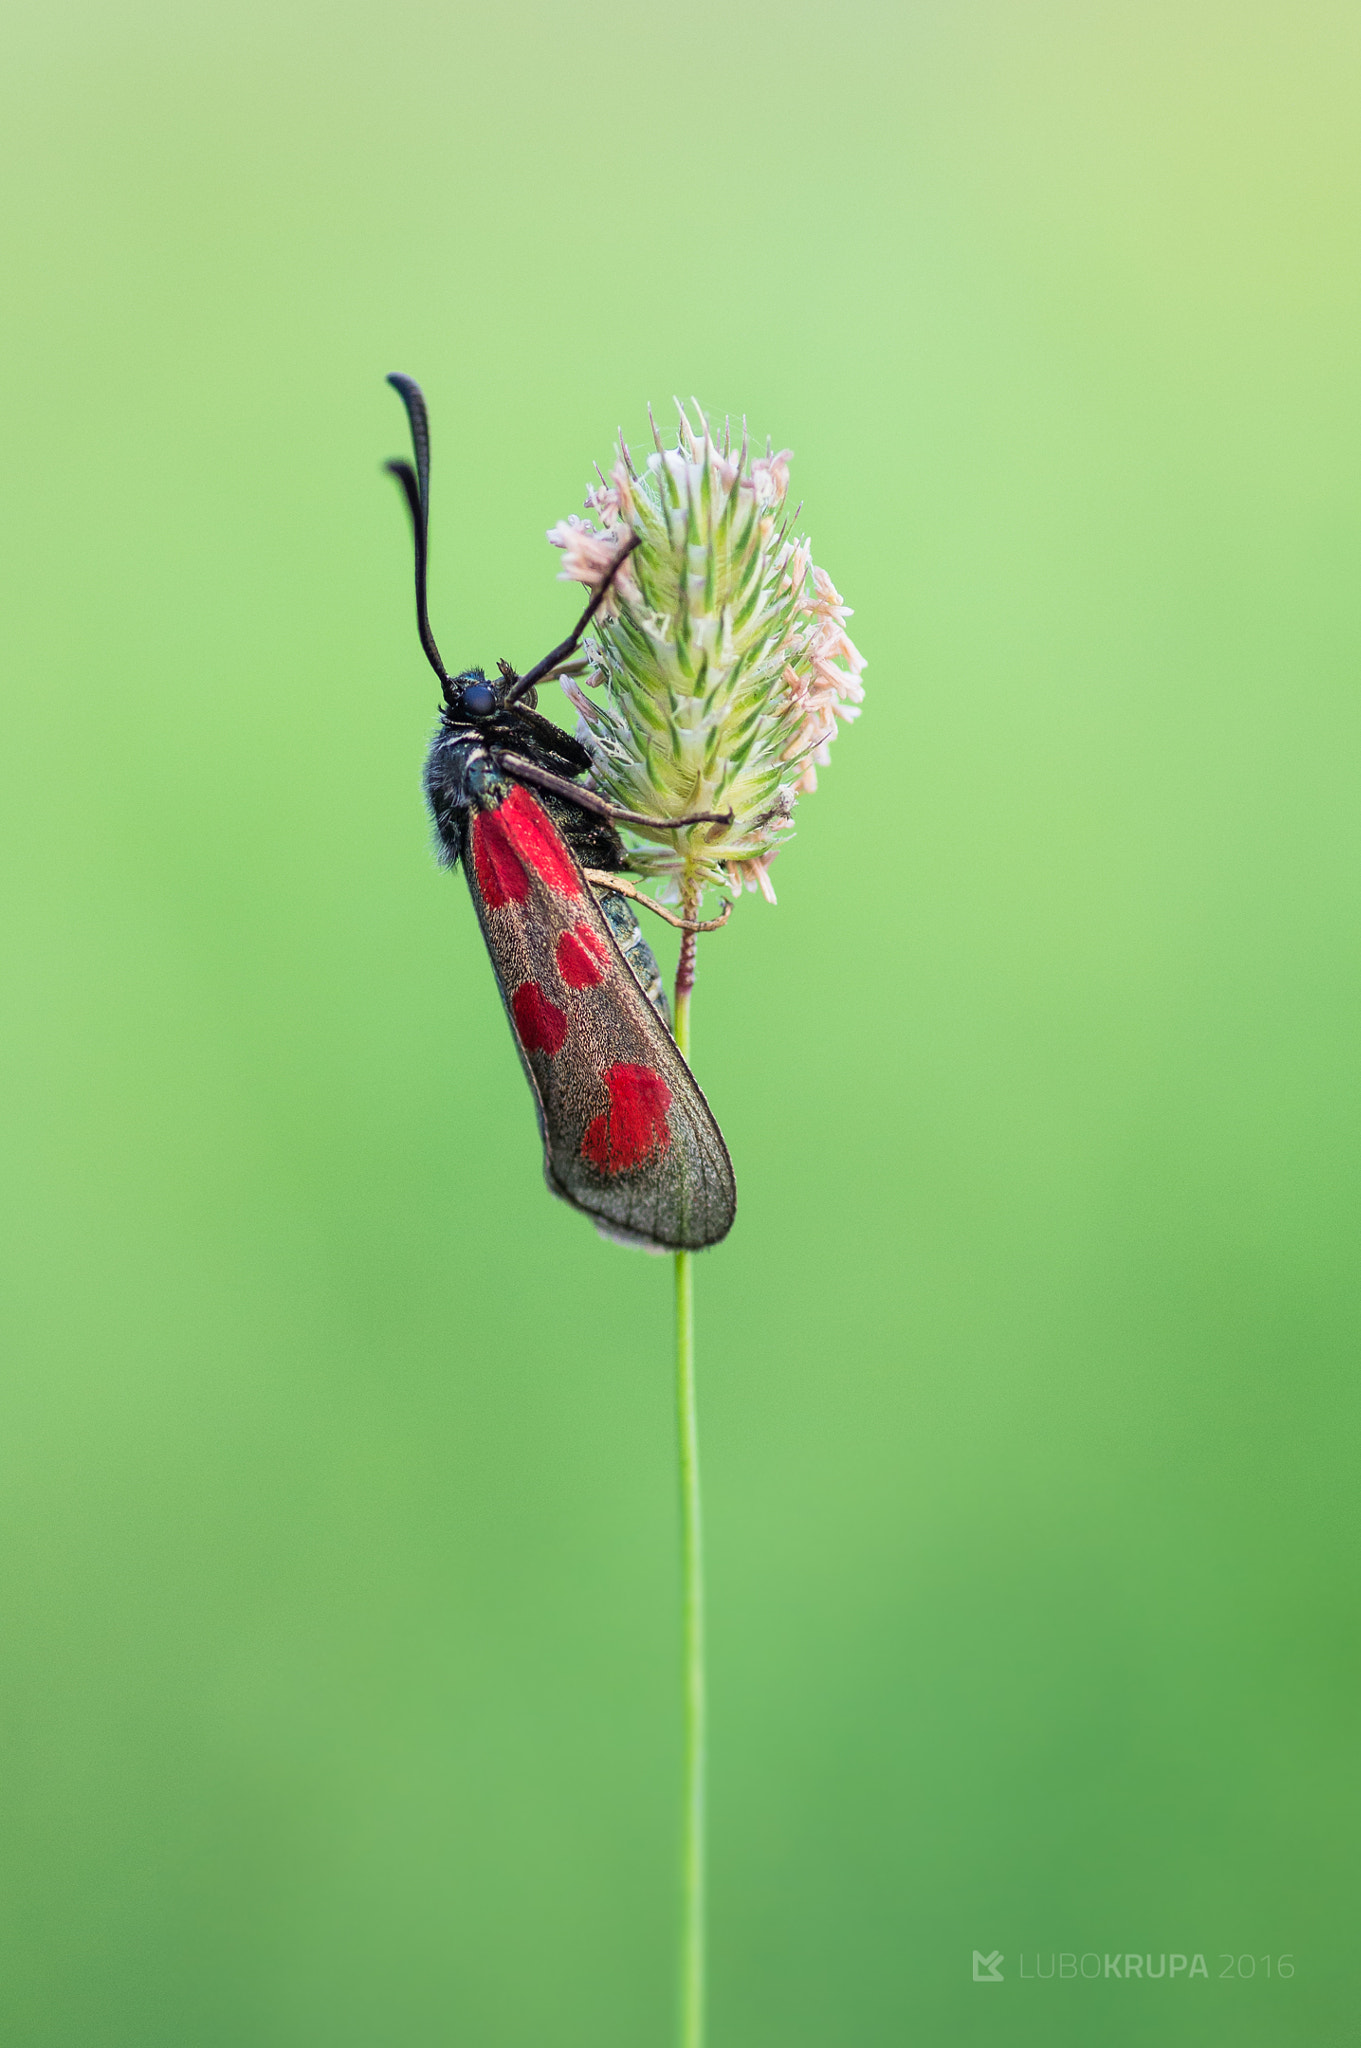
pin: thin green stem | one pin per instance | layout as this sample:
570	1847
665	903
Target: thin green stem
692	1603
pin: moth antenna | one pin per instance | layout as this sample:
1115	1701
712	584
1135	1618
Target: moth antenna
568	647
416	490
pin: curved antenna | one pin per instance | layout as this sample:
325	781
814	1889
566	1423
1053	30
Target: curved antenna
568	647
416	489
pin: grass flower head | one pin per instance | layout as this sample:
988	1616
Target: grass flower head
721	660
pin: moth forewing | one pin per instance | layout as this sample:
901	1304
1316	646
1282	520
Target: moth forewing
627	1134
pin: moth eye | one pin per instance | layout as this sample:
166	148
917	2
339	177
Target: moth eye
479	699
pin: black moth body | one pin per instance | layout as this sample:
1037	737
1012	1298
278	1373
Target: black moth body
628	1137
593	840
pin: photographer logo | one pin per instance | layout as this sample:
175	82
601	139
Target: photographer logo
1128	1966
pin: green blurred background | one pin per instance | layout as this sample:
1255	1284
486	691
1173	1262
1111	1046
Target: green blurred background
339	1678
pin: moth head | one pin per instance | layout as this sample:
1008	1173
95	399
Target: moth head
472	696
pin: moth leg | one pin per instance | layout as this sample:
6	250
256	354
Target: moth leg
511	678
599	879
526	771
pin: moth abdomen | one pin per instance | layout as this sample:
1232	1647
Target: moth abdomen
622	920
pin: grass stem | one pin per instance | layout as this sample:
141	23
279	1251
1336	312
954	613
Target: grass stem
692	1604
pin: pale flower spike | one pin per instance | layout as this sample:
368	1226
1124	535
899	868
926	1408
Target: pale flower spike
721	652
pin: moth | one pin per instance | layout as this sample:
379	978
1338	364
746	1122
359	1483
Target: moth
628	1137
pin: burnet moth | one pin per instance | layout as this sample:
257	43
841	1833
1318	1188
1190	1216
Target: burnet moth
627	1135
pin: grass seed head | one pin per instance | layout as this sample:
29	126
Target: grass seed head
721	662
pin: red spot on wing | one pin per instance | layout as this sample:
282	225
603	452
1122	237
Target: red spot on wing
634	1125
583	957
530	831
541	1024
500	873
